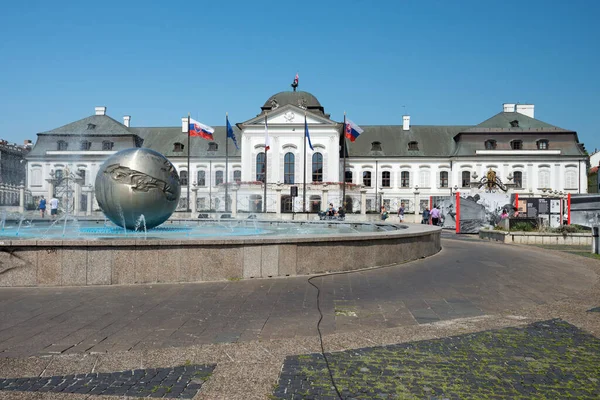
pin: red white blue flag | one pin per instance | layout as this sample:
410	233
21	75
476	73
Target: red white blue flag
199	129
352	131
296	79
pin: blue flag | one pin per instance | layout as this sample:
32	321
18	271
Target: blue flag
306	133
230	133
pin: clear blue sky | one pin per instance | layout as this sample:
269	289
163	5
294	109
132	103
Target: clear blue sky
448	62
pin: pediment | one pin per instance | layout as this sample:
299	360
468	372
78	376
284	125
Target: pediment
289	115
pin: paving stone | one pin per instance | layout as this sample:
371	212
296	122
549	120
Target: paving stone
548	359
176	382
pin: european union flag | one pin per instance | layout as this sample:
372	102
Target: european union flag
306	133
230	133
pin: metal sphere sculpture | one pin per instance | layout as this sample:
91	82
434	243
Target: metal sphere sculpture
136	182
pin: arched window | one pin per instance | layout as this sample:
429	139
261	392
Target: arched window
367	178
218	177
201	178
571	179
444	179
424	178
386	179
288	168
212	146
317	167
490	144
544	179
260	167
466	179
518	178
348	177
183	178
405	179
237	176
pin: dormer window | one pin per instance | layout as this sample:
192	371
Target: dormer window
85	145
413	145
178	147
376	146
212	146
62	145
91	126
107	145
490	145
516	145
514	124
542	144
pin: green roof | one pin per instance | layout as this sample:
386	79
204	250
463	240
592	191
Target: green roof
504	121
432	141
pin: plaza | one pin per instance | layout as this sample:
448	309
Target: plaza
246	334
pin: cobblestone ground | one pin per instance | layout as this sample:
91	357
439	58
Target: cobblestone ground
545	360
179	382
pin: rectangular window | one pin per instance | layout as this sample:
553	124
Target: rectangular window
516	145
201	178
405	179
237	176
183	178
348	177
218	177
386	179
444	179
367	178
466	179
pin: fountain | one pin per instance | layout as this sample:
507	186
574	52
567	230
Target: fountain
138	190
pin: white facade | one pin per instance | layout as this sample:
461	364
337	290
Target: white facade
393	180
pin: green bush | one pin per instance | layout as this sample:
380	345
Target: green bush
522	227
570	229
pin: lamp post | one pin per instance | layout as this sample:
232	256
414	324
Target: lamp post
416	192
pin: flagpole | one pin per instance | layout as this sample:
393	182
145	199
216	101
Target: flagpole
304	178
189	175
265	179
344	165
226	163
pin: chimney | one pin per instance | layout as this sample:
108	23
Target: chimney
406	122
100	110
525	109
184	124
508	107
27	143
126	120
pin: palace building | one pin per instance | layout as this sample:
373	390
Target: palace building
387	164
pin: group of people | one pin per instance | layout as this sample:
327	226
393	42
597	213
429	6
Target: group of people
53	207
434	214
332	213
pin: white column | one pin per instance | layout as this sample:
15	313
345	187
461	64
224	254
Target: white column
194	200
234	193
50	189
325	202
278	201
90	199
363	201
21	199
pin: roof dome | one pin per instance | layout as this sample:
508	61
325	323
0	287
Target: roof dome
300	99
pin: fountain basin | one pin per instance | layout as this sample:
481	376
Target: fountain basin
135	260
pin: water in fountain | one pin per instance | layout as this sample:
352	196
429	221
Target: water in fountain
20	223
141	222
3	220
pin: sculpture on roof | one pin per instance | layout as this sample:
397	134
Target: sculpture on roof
295	83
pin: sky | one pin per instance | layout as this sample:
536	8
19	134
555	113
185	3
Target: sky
443	62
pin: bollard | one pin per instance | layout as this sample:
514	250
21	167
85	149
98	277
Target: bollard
596	239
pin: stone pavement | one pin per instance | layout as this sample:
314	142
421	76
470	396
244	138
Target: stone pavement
248	328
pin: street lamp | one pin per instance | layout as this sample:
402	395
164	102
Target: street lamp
416	192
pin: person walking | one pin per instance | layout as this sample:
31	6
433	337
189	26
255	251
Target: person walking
425	219
53	207
435	215
42	206
401	212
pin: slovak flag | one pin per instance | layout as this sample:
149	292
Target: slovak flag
296	79
199	129
352	131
